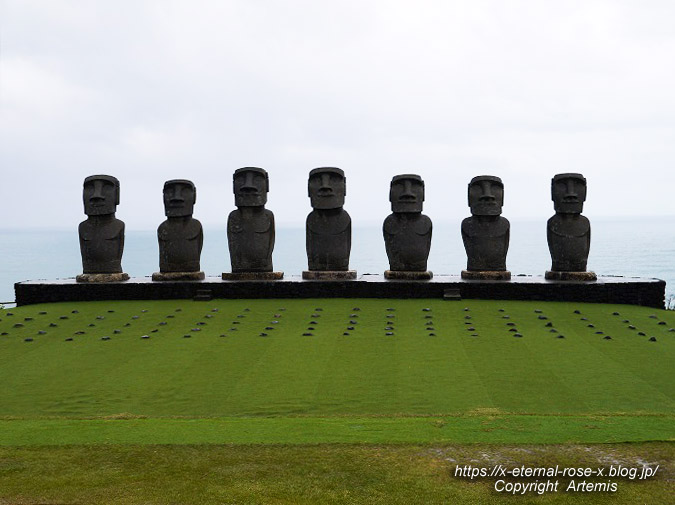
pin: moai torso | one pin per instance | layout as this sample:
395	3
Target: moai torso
568	232
329	239
407	232
181	236
180	245
101	244
101	234
250	235
486	232
250	228
569	242
486	240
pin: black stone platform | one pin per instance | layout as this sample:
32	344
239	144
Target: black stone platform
626	290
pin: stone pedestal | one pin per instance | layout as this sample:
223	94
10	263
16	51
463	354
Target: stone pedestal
116	277
570	276
408	275
252	276
178	276
486	275
329	275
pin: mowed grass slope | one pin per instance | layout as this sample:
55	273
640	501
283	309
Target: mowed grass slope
314	474
340	361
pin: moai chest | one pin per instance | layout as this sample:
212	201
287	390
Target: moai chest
180	244
569	240
407	238
101	245
486	241
251	240
329	239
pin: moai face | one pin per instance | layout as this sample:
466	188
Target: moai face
568	192
406	193
250	185
101	195
180	196
486	195
327	188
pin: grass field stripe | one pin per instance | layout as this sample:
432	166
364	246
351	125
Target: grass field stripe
415	374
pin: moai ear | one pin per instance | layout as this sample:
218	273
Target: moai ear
117	192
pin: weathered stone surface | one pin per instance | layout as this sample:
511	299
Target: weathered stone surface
178	276
570	276
486	233
101	234
250	228
568	232
328	275
116	277
407	232
486	275
404	275
328	227
252	276
613	290
181	236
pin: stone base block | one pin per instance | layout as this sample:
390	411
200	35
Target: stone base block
252	276
178	276
486	275
570	276
329	275
116	277
623	290
408	275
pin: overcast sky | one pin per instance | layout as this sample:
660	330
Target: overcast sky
154	90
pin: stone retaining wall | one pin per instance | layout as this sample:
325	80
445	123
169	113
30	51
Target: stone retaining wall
624	290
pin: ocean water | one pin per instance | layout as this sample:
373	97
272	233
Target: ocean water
630	247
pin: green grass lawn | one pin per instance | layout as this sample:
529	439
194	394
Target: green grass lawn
311	475
283	381
328	361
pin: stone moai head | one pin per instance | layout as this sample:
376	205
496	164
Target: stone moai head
101	195
250	185
568	192
486	195
406	193
327	188
180	196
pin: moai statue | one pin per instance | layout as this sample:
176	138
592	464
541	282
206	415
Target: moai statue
486	233
568	232
101	234
329	227
250	228
180	237
407	232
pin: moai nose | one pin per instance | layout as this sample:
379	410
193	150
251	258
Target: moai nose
487	192
97	196
177	196
248	186
325	184
408	194
571	194
571	188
